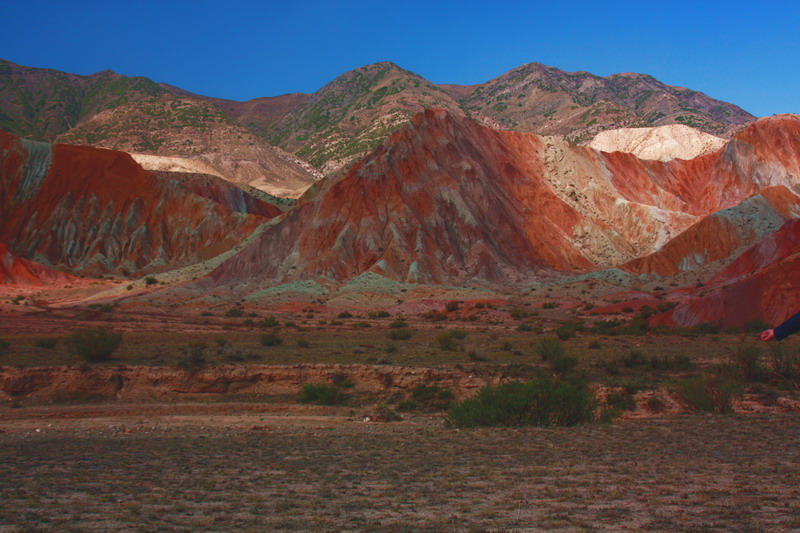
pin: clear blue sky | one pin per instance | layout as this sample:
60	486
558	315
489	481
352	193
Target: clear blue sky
743	52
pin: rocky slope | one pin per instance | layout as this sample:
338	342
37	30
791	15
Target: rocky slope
196	130
662	143
546	100
353	114
17	271
446	200
760	284
721	236
93	211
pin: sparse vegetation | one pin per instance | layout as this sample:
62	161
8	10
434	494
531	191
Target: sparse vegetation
48	343
94	344
543	401
271	339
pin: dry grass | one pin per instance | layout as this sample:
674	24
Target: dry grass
694	473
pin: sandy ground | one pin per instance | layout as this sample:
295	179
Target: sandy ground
225	468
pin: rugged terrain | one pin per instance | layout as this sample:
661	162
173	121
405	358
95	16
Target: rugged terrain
448	201
92	211
342	122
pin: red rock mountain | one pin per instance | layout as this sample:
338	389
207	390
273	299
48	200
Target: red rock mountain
760	284
17	271
446	200
91	211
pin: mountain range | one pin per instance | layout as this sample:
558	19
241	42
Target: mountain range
268	140
482	186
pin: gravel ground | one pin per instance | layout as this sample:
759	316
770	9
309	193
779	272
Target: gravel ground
681	473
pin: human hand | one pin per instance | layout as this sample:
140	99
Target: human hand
768	335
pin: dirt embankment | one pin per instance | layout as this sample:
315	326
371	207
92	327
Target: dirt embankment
139	383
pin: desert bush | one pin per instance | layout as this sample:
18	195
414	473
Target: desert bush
4	344
713	393
621	399
564	364
646	311
518	314
427	397
397	324
194	356
452	305
345	314
48	343
400	334
748	361
595	345
566	331
784	363
303	343
524	327
706	328
434	316
447	341
755	326
379	314
234	312
271	339
268	322
543	401
549	305
633	358
94	344
322	394
550	349
151	280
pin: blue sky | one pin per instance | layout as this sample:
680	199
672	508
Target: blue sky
746	53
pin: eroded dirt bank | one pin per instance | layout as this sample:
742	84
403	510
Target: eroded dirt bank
142	383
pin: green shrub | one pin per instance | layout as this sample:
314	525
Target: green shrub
452	305
524	327
234	312
345	314
447	341
748	360
151	280
564	364
362	325
4	344
755	326
94	344
268	322
784	363
567	331
544	401
271	339
428	397
48	343
634	358
434	316
396	324
549	305
714	393
194	356
707	328
379	314
322	394
550	349
595	345
400	334
303	343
